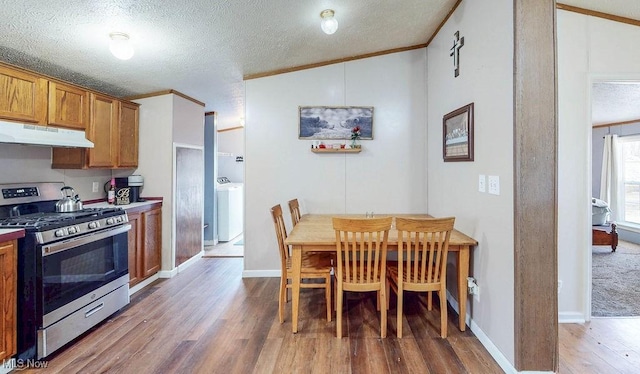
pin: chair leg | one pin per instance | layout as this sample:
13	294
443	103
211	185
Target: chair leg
400	294
282	298
443	312
383	311
429	300
339	312
388	294
327	292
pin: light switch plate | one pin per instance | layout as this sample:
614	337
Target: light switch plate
482	183
494	185
95	187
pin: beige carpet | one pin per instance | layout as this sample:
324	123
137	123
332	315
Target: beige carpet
616	281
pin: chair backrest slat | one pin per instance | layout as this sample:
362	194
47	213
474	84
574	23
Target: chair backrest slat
281	235
361	246
294	208
423	245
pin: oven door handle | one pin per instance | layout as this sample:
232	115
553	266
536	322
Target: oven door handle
76	242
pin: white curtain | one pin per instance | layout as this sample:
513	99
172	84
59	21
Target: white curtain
611	186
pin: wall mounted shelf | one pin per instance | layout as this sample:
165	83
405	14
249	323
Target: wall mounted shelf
339	150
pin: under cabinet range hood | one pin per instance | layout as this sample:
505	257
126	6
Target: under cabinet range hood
20	133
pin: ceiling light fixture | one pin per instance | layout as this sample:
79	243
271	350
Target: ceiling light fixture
120	45
329	23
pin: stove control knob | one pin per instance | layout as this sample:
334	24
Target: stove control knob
93	225
110	221
72	230
59	233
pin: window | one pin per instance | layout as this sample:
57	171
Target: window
630	152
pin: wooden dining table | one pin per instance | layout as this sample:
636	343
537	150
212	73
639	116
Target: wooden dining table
314	233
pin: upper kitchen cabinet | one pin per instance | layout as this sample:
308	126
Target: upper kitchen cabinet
127	156
23	96
102	131
68	106
113	129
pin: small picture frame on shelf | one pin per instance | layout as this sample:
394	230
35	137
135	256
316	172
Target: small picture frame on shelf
457	134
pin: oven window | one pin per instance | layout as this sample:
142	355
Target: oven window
72	273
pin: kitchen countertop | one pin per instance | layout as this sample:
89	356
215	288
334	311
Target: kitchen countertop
104	204
11	234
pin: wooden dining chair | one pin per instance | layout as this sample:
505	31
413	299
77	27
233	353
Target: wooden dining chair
361	249
423	245
314	266
294	208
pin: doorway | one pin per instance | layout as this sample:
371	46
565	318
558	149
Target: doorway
613	272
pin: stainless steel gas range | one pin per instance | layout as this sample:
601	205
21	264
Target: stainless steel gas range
72	266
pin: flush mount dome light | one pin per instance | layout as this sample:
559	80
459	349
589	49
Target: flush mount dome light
120	45
329	24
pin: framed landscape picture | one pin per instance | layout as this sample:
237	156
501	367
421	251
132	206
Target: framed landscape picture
334	122
457	134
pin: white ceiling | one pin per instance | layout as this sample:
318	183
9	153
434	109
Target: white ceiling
203	48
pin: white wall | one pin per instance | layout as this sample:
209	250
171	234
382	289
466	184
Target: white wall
230	146
387	176
589	50
486	71
155	161
22	163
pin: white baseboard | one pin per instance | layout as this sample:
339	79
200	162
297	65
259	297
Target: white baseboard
173	272
143	284
261	274
168	273
497	355
190	261
571	317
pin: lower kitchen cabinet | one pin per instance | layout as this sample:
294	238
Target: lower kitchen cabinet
145	242
9	297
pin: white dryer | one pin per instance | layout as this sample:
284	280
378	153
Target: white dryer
230	209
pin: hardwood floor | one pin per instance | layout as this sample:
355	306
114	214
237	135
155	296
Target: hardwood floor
210	320
603	345
232	248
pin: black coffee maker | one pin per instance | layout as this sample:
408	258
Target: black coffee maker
135	185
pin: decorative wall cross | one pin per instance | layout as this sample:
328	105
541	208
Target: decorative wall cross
458	42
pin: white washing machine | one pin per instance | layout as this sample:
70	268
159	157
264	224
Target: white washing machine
230	209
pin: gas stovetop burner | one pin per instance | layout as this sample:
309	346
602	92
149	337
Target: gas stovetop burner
52	220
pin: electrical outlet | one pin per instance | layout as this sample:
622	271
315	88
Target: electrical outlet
482	183
473	288
95	187
494	185
559	286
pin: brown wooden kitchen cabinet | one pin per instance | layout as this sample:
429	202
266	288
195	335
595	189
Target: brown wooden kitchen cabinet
68	106
8	304
127	150
145	242
23	96
113	129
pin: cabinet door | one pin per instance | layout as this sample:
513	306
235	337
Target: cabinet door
8	304
68	106
102	131
127	150
152	221
23	96
135	249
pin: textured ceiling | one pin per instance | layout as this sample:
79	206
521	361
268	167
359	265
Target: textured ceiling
615	102
203	48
